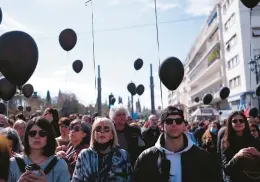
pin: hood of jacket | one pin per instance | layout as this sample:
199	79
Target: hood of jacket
159	146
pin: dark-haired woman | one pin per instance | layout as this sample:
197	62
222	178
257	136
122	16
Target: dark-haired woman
240	151
255	131
39	149
5	154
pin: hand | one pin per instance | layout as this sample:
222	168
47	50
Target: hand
24	176
59	148
61	154
253	151
244	153
34	178
64	148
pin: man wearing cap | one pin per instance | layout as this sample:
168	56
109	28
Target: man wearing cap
174	157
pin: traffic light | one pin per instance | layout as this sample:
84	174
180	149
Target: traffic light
111	100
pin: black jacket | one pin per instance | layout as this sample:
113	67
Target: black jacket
150	136
196	166
131	135
234	169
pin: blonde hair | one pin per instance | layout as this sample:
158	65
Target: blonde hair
107	122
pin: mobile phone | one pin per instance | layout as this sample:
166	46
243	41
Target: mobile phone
34	168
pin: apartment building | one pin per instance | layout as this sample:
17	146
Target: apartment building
241	40
220	57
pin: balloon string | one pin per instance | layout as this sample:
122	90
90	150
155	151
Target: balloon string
67	71
93	44
158	44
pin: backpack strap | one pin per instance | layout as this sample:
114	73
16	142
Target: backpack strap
50	166
21	164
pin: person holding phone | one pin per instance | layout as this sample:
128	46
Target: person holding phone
38	163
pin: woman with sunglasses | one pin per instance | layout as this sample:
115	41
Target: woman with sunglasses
103	160
79	135
39	150
240	151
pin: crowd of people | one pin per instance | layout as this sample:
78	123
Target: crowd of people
82	148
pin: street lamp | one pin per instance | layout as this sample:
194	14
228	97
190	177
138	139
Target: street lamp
254	67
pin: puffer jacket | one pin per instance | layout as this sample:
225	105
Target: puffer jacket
196	164
113	166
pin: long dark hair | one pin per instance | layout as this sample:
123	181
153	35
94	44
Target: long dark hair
230	133
50	147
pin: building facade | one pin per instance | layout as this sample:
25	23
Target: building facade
241	39
220	57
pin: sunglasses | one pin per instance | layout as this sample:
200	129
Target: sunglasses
253	131
41	133
106	129
178	121
1	124
235	121
74	128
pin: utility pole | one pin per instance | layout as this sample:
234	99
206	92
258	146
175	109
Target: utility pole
152	89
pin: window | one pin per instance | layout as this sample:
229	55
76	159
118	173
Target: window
226	5
230	22
233	62
256	32
231	42
235	82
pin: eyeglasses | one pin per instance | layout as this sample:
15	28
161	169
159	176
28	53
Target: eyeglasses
178	121
235	121
253	131
106	129
2	125
74	128
41	133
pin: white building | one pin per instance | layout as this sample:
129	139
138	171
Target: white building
220	57
237	35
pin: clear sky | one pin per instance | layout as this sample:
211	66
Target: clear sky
124	31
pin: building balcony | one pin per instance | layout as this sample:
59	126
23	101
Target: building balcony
204	35
205	73
206	84
213	46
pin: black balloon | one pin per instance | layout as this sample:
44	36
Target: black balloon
27	90
113	100
18	56
171	73
20	108
220	113
28	108
68	39
257	91
77	66
2	108
131	88
140	89
1	15
138	64
7	89
207	99
197	99
224	93
250	3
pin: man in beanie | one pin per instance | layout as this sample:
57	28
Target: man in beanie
174	156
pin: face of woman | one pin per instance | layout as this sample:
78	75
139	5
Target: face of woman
76	134
103	133
254	132
20	129
238	123
64	130
37	137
